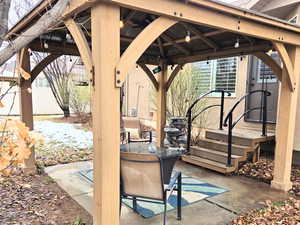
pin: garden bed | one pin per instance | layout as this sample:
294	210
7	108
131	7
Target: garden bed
38	200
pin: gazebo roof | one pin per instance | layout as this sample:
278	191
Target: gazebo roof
207	41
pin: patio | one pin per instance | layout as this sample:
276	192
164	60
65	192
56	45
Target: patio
243	195
113	36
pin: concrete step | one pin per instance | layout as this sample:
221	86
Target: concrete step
213	155
223	147
239	137
209	164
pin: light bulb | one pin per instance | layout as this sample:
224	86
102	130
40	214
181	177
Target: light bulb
46	45
68	36
270	51
188	37
137	67
237	44
121	24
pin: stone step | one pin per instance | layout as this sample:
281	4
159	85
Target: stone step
239	137
209	164
213	155
223	147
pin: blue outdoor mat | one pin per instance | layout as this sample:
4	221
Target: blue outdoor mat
193	190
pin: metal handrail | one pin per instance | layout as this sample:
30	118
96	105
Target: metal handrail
231	124
189	112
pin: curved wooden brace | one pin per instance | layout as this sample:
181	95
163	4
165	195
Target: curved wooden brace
42	64
173	75
280	48
139	45
268	60
82	45
150	75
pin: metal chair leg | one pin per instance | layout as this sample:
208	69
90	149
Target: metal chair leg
134	204
179	194
165	211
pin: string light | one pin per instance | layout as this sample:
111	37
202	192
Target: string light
68	36
137	67
188	36
30	51
121	24
270	51
237	43
46	46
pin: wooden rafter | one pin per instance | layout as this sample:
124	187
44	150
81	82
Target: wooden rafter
224	52
161	48
41	65
82	45
137	47
149	74
173	75
178	46
282	51
273	65
129	17
201	16
200	36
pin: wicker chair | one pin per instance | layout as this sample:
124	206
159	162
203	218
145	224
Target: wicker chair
142	180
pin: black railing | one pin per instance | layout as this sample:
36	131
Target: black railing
191	119
229	119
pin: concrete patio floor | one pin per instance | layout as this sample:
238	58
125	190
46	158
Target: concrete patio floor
244	194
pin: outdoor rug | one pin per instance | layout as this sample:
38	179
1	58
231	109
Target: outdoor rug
193	190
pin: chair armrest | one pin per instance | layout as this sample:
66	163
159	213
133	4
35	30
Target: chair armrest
150	134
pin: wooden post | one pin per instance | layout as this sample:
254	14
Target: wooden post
286	125
106	113
161	104
26	110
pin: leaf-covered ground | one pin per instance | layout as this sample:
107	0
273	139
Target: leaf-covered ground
37	200
263	171
286	212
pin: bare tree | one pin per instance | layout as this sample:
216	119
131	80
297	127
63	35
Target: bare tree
4	10
59	76
43	25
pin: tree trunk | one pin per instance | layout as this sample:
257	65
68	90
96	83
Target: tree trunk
66	112
4	10
43	25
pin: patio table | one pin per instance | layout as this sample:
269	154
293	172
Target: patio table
167	156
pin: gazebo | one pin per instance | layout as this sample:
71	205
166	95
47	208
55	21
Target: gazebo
112	36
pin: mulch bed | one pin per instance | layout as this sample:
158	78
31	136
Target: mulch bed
263	171
38	200
286	212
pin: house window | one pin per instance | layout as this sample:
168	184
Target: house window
265	74
217	74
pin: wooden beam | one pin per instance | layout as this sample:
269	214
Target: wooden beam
42	65
161	48
161	105
200	35
150	75
271	63
280	48
139	46
285	126
176	45
221	53
173	75
25	97
105	22
201	16
82	45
